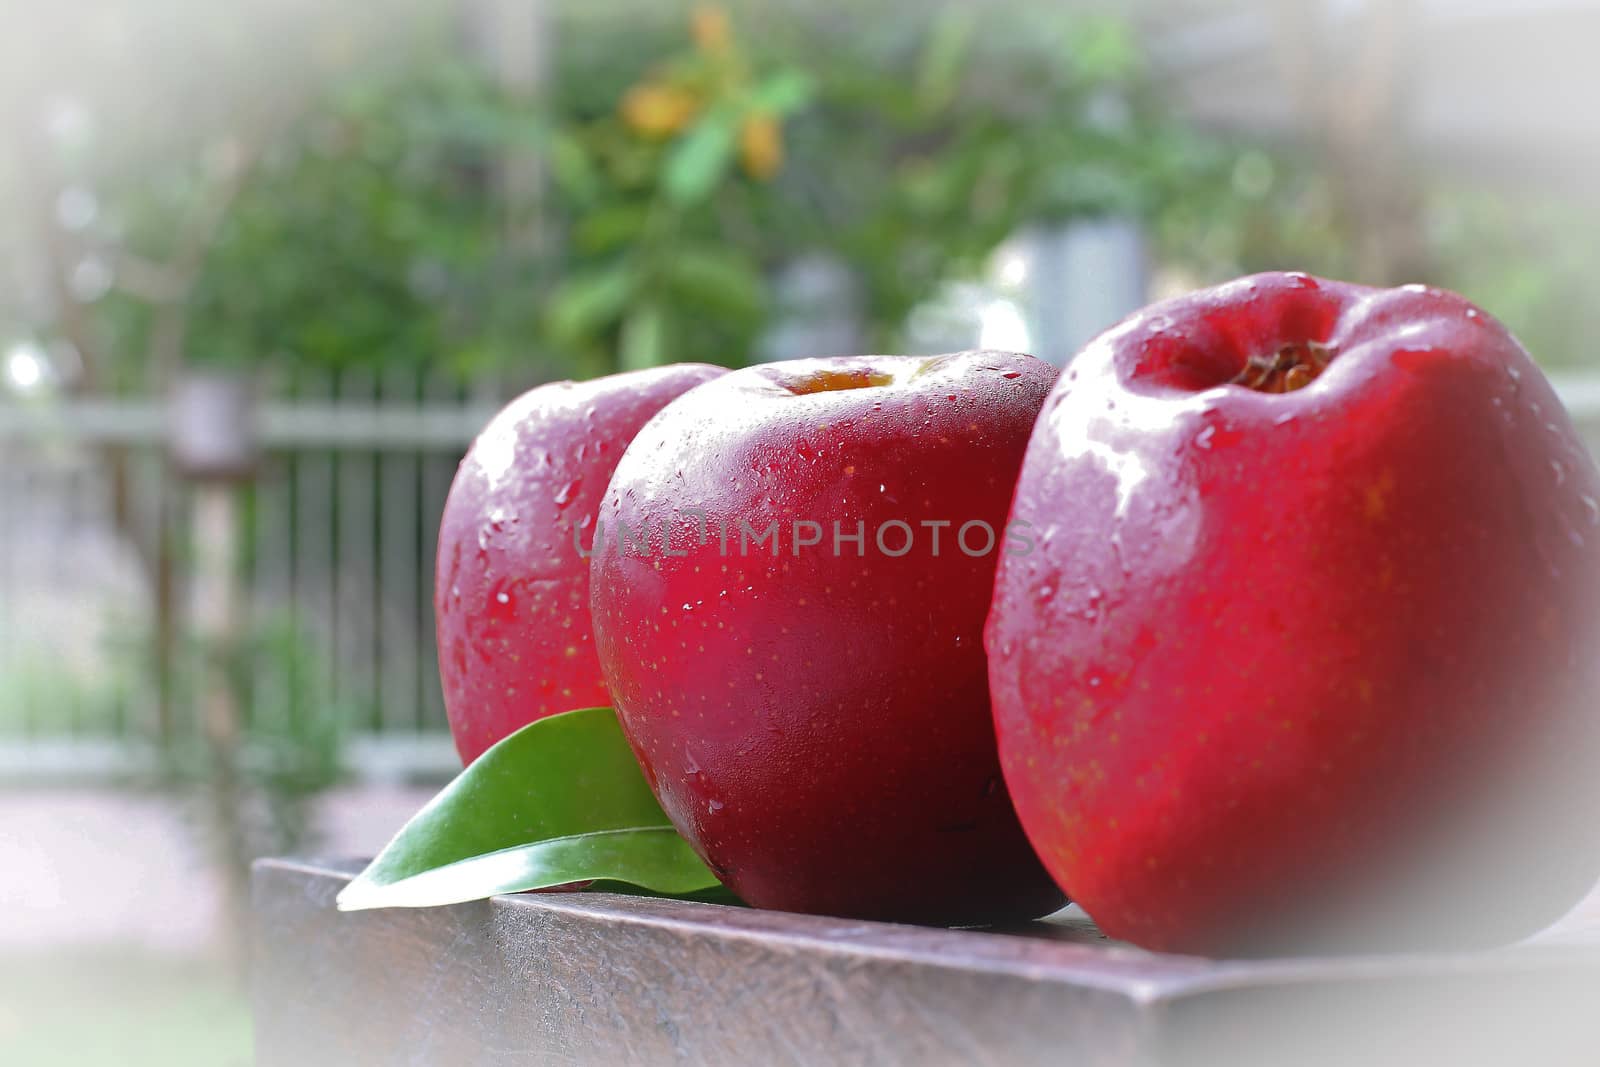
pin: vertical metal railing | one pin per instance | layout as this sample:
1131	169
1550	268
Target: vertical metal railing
340	526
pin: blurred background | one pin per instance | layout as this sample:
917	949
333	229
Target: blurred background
266	267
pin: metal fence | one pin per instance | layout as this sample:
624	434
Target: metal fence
338	541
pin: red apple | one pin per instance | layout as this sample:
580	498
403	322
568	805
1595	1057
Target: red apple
511	588
812	712
1306	656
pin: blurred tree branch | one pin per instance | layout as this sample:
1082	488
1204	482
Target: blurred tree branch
167	287
231	166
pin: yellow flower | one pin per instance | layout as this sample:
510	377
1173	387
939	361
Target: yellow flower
709	26
761	145
658	110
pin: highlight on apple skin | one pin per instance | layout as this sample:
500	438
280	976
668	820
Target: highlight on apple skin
1306	656
813	714
511	585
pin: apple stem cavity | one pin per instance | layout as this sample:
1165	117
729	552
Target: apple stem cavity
830	381
1292	367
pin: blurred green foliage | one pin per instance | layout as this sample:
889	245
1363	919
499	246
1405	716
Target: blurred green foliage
288	744
407	208
683	160
1529	260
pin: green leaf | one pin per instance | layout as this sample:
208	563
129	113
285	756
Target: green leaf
717	279
561	800
783	93
589	302
699	160
943	61
611	227
643	338
571	167
1103	49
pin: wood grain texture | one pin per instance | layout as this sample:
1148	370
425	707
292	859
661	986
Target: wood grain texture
592	978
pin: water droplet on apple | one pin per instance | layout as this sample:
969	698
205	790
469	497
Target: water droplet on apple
583	450
1593	508
1203	438
1094	681
1284	419
1116	550
502	598
1045	592
1472	313
713	806
1559	470
1011	375
565	493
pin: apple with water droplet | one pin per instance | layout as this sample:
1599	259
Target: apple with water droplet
511	586
789	586
1306	657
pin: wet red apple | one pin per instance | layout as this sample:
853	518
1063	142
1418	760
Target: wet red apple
511	588
1306	655
789	586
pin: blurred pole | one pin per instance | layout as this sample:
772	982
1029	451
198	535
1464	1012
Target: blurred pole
1352	97
213	443
512	37
1082	278
216	631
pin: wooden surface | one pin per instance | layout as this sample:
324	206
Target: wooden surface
595	978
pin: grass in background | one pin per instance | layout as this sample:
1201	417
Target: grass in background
88	1008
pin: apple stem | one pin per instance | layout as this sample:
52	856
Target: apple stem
1292	367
